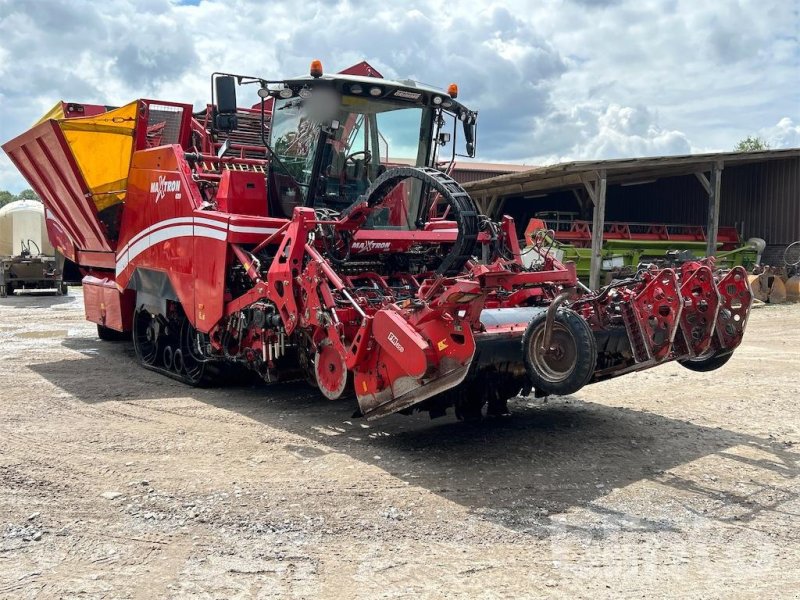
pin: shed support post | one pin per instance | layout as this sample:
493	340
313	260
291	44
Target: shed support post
598	195
491	203
712	226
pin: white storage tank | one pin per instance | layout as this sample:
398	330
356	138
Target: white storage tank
22	225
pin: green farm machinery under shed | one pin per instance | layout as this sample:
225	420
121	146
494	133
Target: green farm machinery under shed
627	245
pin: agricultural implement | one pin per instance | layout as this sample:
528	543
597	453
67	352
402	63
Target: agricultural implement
627	245
312	235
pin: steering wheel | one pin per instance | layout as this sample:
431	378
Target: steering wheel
351	159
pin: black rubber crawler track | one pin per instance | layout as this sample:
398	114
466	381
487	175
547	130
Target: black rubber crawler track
463	209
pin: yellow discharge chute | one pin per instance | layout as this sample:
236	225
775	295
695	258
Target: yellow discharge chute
102	147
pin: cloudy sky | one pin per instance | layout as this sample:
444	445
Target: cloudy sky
553	80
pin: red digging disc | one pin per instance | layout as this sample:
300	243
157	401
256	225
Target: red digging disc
330	371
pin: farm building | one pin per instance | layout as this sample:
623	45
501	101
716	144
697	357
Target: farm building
757	193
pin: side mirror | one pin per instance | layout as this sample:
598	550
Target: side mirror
225	116
470	126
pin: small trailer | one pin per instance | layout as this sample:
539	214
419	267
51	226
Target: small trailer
28	260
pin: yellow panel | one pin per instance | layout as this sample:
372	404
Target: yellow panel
102	147
57	112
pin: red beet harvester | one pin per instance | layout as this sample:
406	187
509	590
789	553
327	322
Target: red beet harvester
313	235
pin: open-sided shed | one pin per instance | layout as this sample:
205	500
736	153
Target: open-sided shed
757	192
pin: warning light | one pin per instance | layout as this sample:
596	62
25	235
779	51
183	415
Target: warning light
316	68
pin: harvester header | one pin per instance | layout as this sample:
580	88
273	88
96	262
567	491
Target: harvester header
318	234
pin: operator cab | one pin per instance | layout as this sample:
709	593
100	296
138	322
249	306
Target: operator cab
333	136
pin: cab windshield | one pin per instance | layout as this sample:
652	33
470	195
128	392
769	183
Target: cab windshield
334	152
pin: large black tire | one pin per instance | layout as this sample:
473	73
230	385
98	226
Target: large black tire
711	361
112	335
570	363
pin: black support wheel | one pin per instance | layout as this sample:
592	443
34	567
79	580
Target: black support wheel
147	331
568	361
188	360
710	361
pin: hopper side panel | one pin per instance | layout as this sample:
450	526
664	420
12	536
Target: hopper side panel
43	157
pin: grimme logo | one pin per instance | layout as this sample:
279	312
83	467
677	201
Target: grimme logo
394	341
370	245
407	95
162	186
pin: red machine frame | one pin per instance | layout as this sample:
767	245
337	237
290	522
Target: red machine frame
205	275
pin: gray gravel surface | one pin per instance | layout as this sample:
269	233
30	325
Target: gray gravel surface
116	482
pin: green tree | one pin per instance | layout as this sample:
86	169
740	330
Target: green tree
6	197
28	194
751	144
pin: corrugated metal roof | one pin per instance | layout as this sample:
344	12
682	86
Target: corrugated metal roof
573	174
489	167
760	192
466	171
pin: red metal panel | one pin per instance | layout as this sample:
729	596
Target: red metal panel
93	299
118	307
57	234
363	69
162	230
247	229
242	193
207	282
401	341
43	157
159	189
105	305
75	109
102	260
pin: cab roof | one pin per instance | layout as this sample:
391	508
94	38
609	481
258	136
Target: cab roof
403	92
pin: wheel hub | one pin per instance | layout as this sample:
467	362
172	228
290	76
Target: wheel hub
557	361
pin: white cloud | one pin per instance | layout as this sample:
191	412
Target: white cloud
553	79
785	134
592	131
632	131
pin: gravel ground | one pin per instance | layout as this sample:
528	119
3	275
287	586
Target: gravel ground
116	482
